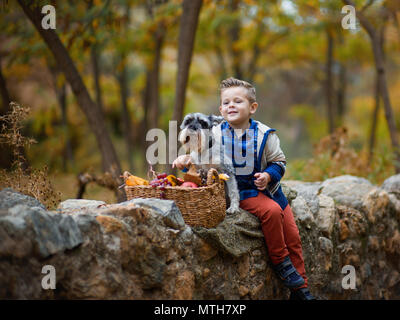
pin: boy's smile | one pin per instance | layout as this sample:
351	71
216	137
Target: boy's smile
236	108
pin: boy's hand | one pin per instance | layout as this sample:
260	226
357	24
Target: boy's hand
262	180
182	162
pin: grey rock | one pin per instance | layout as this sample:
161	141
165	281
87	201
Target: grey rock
347	178
85	222
166	208
309	191
325	245
79	204
392	185
302	212
289	192
326	215
237	235
49	232
10	198
69	230
347	190
147	259
187	235
15	240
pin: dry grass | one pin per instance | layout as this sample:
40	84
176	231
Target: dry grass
29	181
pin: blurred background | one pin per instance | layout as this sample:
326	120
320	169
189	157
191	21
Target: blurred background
113	69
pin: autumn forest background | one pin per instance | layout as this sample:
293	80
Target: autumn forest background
113	69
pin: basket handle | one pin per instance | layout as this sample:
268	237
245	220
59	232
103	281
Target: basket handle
126	175
212	173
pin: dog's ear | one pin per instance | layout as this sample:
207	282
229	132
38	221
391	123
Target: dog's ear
215	120
184	121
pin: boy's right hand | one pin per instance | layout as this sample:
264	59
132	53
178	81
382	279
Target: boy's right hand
182	161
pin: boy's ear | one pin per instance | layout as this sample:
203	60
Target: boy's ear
253	107
220	108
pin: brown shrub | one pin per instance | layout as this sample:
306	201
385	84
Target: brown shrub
29	181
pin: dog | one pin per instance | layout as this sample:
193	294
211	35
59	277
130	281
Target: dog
206	152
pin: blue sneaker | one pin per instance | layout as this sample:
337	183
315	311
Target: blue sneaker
301	294
288	273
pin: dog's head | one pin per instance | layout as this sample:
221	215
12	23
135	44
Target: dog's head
195	130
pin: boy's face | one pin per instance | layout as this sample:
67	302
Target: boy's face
235	107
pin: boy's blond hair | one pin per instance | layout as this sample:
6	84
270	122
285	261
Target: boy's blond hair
233	82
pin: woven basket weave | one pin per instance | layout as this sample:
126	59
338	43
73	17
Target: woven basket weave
202	206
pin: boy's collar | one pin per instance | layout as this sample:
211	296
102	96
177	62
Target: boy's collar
253	125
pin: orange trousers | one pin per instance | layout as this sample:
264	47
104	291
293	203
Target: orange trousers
280	231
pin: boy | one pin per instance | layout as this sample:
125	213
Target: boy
260	190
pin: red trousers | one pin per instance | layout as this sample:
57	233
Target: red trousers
280	231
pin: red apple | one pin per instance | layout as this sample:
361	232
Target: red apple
189	184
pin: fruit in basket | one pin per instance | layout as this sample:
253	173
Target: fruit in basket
189	184
173	180
135	181
192	176
162	182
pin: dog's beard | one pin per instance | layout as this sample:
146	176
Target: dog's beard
194	142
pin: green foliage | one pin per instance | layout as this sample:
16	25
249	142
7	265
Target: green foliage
281	38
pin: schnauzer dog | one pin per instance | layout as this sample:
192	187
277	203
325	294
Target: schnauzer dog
196	137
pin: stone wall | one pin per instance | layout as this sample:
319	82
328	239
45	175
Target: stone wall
142	249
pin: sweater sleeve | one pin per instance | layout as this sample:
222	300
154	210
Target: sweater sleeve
276	171
275	159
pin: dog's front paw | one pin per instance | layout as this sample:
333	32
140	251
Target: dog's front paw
232	210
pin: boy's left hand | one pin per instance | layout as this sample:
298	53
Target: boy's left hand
262	180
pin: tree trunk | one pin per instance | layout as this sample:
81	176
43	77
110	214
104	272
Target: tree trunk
5	152
61	95
94	56
62	101
220	56
329	83
234	38
341	94
187	33
374	121
153	80
5	96
252	68
396	23
126	117
91	110
375	114
383	88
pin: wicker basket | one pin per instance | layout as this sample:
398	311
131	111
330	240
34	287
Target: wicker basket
202	206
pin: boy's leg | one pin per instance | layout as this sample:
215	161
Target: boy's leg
293	243
271	217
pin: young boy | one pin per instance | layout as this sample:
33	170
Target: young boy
260	190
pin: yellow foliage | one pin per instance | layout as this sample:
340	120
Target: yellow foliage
333	156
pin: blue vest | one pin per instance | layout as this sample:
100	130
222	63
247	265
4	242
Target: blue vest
245	182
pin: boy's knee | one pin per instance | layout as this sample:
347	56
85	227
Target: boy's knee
272	211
